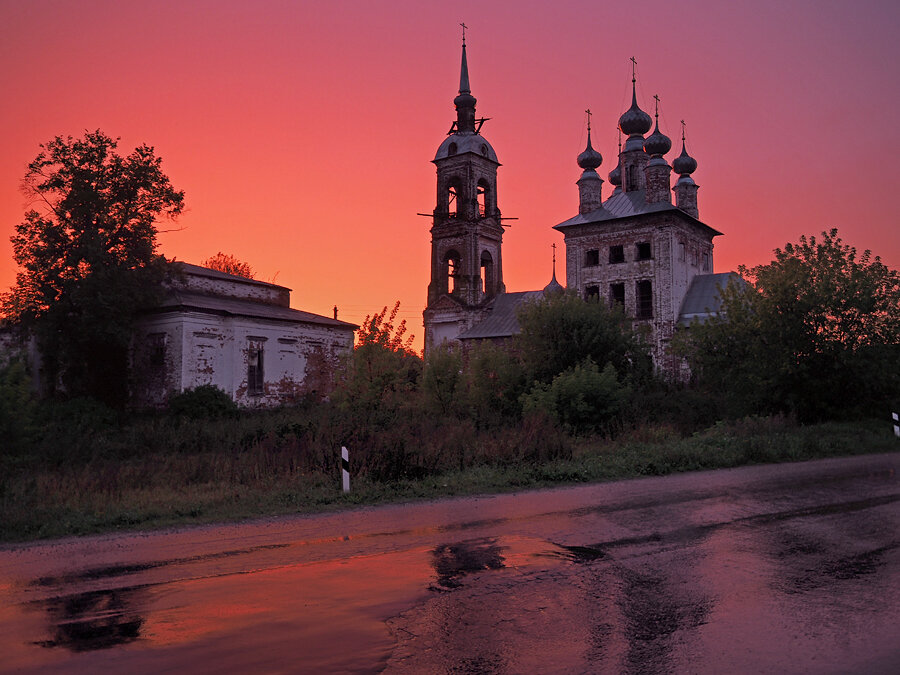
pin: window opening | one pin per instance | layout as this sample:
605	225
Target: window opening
487	273
481	193
450	272
255	378
644	252
705	262
592	293
451	149
632	182
452	202
616	254
644	305
617	295
681	252
592	258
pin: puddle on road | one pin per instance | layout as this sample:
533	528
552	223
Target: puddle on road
94	620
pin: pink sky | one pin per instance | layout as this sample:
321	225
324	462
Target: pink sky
302	132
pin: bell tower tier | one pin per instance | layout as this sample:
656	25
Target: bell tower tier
466	232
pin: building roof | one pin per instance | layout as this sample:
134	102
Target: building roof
215	304
627	205
502	321
703	298
198	271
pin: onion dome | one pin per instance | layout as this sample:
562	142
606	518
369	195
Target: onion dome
634	121
554	286
657	144
590	159
615	176
684	164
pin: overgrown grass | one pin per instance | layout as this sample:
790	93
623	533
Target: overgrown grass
157	471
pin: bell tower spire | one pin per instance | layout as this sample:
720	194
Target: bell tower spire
466	232
464	102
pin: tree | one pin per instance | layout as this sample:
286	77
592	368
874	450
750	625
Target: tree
87	253
383	368
814	333
561	331
224	262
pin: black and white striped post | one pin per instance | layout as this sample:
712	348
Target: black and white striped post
345	468
896	424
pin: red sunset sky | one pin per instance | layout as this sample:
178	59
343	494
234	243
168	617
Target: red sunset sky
302	132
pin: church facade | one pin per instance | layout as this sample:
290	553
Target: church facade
637	248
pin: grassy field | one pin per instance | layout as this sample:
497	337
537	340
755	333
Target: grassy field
85	492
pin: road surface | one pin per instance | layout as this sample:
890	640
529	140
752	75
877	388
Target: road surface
787	568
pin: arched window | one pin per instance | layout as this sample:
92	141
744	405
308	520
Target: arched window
451	270
483	194
451	149
453	198
487	273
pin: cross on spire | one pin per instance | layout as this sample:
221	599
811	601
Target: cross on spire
588	111
464	26
656	98
633	67
553	246
682	131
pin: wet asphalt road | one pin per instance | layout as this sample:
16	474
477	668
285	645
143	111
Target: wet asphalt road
778	569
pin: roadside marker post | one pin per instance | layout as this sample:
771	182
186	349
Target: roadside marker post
896	424
345	468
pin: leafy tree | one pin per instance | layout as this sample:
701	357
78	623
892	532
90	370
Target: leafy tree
493	382
814	333
383	368
561	331
87	253
442	379
224	262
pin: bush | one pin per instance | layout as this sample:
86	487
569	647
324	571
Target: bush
582	399
204	402
17	408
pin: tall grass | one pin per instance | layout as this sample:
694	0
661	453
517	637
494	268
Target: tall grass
157	470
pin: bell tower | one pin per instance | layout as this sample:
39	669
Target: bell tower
466	232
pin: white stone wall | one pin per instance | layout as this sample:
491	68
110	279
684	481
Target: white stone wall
213	349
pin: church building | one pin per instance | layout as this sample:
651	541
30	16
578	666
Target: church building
636	248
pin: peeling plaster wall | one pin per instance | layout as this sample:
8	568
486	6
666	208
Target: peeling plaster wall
669	274
214	349
180	348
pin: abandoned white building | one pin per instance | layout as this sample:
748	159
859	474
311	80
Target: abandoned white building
238	334
635	248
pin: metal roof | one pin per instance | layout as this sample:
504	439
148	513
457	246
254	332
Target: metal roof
626	205
502	321
703	298
184	301
199	271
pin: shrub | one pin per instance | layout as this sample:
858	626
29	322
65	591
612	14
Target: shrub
204	402
582	399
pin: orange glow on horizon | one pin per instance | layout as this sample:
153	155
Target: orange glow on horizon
303	133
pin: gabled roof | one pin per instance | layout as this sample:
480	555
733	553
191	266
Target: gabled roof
628	205
214	304
502	321
703	298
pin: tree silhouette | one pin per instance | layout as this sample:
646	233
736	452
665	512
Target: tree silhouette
87	253
225	262
814	333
